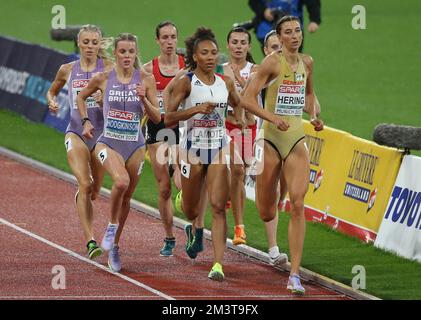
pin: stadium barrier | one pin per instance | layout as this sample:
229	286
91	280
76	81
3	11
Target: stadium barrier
26	73
400	230
351	180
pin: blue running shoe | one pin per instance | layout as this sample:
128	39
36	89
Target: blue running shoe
114	262
109	236
197	244
169	244
294	285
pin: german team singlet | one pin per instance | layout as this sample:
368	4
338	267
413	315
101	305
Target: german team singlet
285	96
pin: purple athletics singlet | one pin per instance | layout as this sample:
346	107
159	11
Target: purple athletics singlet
122	111
77	81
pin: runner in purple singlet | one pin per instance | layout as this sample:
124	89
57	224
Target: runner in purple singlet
129	92
83	164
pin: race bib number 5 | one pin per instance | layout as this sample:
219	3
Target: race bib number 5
102	156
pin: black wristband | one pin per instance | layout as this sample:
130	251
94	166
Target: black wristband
84	120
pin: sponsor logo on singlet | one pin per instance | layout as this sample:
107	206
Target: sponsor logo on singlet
122	125
77	86
291	98
209	130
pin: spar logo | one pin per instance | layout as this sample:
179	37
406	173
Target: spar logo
205	123
404	207
79	83
209	120
123	115
292	89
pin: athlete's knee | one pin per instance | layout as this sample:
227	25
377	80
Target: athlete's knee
121	183
86	186
218	207
297	205
268	216
190	212
267	212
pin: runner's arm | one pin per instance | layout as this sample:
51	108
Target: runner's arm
58	84
93	85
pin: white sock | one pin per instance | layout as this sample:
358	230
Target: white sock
113	225
274	252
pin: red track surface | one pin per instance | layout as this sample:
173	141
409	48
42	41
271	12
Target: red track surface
43	205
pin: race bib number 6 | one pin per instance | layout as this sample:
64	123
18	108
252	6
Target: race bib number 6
185	169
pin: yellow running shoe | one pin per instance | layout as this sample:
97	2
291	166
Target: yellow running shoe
239	236
216	273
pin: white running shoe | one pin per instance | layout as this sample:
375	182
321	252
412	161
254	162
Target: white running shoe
279	260
109	236
114	262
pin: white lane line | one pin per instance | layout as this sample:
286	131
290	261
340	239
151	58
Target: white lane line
77	256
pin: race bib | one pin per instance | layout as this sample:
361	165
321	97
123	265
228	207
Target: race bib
160	97
185	169
122	125
291	99
68	144
77	86
207	134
